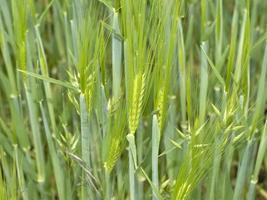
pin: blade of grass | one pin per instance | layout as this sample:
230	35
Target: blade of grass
259	161
36	137
51	80
58	171
154	155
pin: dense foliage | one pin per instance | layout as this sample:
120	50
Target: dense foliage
133	99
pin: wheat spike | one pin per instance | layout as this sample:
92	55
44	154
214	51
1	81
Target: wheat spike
137	102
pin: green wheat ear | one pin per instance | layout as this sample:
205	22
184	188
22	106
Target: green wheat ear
115	147
22	56
136	102
89	91
113	154
115	139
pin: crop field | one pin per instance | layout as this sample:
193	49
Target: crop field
133	99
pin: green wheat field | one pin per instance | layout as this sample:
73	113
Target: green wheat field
133	99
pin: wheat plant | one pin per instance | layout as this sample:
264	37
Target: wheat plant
133	99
